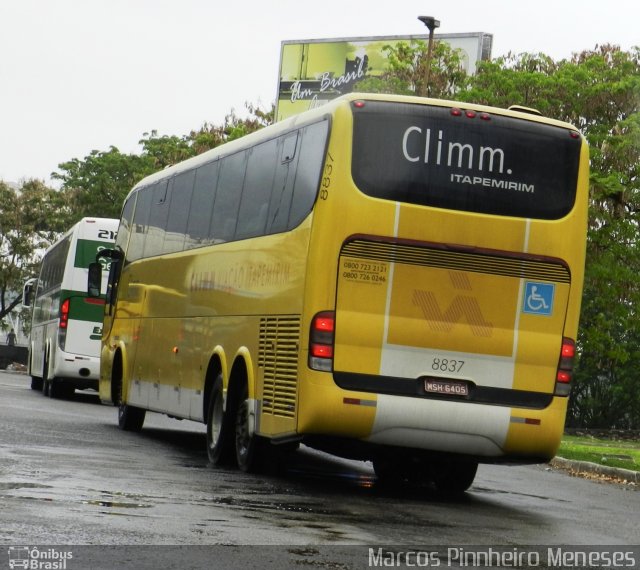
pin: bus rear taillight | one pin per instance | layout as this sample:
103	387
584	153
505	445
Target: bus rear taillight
565	367
63	323
321	341
64	314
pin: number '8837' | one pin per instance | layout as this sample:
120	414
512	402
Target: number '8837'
447	365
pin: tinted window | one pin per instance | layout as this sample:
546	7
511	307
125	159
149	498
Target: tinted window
229	192
140	221
181	190
256	194
424	155
310	162
124	229
280	204
157	219
53	266
201	208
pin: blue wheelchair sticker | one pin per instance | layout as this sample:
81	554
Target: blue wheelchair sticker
538	298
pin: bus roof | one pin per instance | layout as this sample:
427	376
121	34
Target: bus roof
325	111
107	223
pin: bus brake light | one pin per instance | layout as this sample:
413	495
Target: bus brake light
64	314
321	341
63	323
564	374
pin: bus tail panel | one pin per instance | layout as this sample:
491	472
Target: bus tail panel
449	323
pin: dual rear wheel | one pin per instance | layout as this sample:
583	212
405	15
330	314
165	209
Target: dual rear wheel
52	386
449	476
230	438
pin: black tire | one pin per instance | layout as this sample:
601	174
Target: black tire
60	388
248	446
57	388
219	427
388	473
130	418
46	381
36	381
454	477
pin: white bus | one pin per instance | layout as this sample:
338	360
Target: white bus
66	325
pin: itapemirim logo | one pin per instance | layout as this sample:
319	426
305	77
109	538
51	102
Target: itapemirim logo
34	558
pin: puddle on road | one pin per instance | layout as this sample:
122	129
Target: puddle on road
290	507
22	485
347	478
487	491
115	504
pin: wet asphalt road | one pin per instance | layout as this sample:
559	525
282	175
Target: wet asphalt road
68	476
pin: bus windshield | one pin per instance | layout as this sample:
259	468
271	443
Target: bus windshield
469	161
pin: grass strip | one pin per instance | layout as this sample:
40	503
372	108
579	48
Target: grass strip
613	453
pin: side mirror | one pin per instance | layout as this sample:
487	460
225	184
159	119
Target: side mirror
94	281
28	291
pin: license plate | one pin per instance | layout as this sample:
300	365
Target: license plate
446	387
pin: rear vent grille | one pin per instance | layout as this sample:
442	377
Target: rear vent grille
481	262
278	357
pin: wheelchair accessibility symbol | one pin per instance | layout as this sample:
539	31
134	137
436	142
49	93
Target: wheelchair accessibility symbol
538	298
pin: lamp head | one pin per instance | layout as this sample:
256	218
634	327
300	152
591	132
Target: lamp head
430	22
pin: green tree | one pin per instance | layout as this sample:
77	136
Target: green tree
599	92
98	184
31	218
407	72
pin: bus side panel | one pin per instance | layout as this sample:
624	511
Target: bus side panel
233	300
121	325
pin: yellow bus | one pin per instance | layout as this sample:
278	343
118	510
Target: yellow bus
386	278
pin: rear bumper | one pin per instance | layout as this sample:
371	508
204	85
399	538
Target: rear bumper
79	370
491	433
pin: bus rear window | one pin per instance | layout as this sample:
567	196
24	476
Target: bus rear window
497	165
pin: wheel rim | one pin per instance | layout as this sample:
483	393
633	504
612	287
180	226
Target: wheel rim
215	426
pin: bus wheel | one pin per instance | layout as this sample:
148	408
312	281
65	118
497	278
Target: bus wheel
46	382
454	477
219	427
58	388
130	418
54	388
389	473
247	444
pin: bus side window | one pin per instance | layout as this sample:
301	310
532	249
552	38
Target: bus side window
227	202
256	194
280	203
312	150
176	228
124	228
199	217
289	145
139	227
157	219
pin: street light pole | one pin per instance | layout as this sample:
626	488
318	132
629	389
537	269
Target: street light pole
432	24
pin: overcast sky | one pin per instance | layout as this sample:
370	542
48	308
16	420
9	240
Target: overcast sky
79	75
